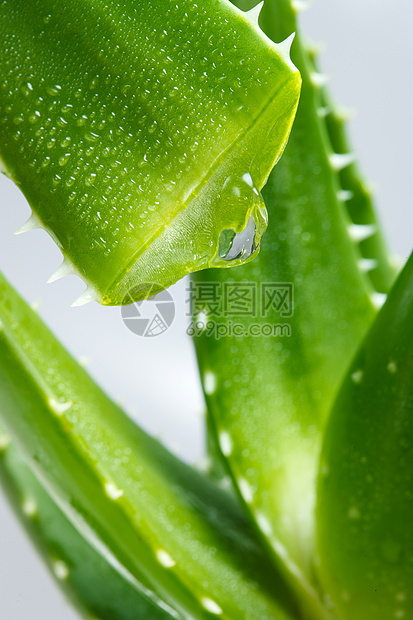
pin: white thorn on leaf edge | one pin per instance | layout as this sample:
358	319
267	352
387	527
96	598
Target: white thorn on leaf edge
211	606
112	491
315	48
284	50
61	570
345	114
36	304
367	264
85	360
59	408
339	161
318	79
86	297
66	268
29	507
165	559
31	224
323	111
378	299
344	195
253	14
300	5
360	232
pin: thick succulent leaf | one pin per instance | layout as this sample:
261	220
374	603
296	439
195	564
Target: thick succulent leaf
358	197
364	504
130	131
169	532
270	388
87	578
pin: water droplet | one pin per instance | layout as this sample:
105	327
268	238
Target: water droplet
241	199
64	159
53	90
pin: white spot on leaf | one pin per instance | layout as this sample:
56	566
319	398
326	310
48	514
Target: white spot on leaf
211	606
112	491
357	377
392	368
245	490
210	383
61	570
29	507
225	443
59	408
165	559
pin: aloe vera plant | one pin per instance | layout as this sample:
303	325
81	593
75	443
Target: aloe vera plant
313	428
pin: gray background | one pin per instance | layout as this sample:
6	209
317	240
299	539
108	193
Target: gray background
369	50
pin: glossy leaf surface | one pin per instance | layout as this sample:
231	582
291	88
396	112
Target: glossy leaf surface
177	539
91	582
365	498
270	388
139	135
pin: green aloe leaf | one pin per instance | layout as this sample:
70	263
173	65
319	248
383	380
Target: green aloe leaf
365	498
87	578
131	130
170	534
269	389
358	196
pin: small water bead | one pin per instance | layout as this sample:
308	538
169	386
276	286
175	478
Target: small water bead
64	159
53	90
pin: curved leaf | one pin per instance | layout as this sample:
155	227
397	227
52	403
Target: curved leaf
91	582
289	323
365	499
131	131
358	197
179	541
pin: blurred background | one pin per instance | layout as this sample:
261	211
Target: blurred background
368	55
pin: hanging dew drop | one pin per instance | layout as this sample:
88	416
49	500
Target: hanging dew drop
244	203
241	245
